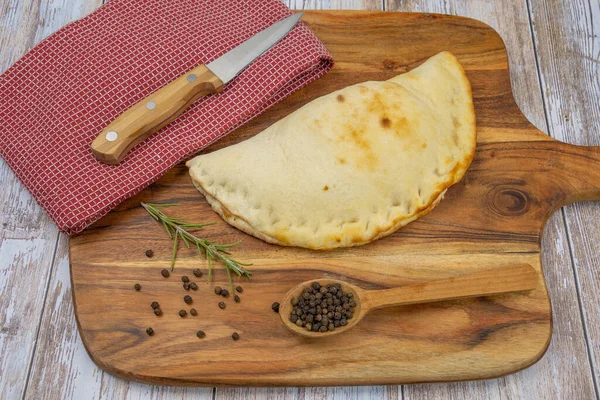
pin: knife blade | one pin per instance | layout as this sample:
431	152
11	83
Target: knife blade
164	105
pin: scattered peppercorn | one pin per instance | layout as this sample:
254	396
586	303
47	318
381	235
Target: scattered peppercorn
275	307
321	308
137	287
221	305
182	313
149	253
150	331
239	289
165	273
187	299
224	292
200	334
155	305
236	298
218	290
185	279
197	273
186	286
235	336
193	312
193	286
157	312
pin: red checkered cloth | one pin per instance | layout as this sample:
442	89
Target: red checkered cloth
62	93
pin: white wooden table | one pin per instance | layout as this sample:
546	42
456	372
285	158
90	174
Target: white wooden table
554	53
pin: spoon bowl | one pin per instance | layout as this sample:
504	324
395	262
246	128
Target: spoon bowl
489	282
285	309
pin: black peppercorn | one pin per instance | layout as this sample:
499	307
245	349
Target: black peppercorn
239	289
165	273
224	292
186	286
157	312
218	290
275	307
193	312
193	286
187	299
236	298
155	305
149	253
197	273
322	308
185	279
182	313
200	334
235	336
221	305
137	287
150	331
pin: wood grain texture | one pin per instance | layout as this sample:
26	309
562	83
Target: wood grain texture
567	39
493	218
153	113
568	348
27	236
562	373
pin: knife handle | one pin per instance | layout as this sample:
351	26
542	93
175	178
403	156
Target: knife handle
153	113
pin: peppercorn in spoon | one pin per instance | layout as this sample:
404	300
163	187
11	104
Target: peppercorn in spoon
330	300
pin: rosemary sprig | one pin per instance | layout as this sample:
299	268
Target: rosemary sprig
176	229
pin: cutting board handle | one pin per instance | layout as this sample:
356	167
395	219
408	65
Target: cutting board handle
581	166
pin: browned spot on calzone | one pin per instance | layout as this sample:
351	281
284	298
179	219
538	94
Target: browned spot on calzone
325	188
340	98
385	122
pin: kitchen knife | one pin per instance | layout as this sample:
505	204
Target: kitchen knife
167	103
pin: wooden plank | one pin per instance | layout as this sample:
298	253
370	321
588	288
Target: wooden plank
568	46
62	369
373	5
27	236
567	350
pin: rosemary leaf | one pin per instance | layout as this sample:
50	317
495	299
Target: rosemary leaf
174	251
176	228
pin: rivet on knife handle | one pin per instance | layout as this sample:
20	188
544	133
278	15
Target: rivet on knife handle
153	113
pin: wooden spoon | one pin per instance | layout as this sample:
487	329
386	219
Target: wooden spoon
489	282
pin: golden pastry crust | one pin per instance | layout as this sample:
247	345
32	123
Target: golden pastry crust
349	167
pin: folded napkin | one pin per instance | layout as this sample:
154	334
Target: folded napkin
62	93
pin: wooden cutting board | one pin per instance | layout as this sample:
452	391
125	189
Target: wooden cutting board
494	217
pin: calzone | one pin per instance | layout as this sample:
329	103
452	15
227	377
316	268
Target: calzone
349	167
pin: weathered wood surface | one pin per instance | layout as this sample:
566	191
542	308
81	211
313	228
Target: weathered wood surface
28	238
493	218
562	373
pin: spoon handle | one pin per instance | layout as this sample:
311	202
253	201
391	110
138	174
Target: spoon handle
494	281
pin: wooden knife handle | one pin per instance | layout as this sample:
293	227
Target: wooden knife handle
153	113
